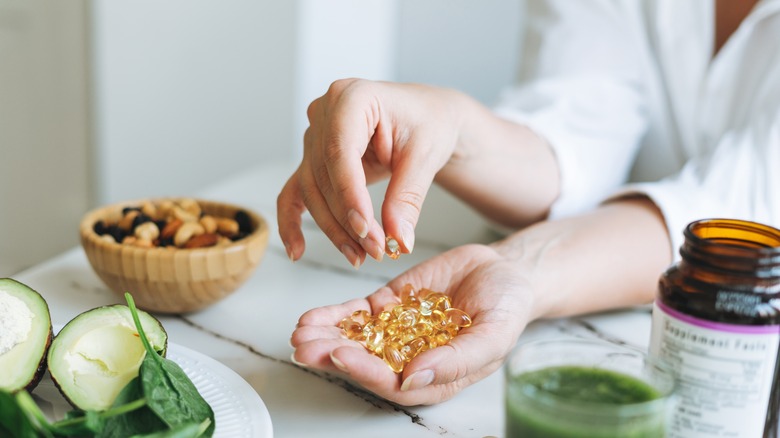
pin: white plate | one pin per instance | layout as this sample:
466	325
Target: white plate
238	410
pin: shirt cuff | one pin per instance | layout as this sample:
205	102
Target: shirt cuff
575	197
680	204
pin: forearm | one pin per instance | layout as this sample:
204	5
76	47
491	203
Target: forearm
500	168
609	258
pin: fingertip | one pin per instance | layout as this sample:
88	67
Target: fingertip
407	235
418	380
338	363
292	253
353	256
296	362
358	223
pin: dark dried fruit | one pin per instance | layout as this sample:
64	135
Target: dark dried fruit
244	222
100	228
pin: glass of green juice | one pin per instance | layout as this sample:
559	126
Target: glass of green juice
577	388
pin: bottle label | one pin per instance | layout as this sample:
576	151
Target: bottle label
724	373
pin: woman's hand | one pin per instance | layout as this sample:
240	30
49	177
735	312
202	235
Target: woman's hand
360	132
606	259
479	280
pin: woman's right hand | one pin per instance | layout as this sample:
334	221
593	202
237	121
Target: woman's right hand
360	132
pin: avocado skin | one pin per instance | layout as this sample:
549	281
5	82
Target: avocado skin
54	380
42	365
11	284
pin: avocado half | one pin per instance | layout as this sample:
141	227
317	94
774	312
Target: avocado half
98	352
25	335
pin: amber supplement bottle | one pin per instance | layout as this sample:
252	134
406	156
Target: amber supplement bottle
716	321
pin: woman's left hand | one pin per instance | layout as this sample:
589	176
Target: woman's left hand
479	281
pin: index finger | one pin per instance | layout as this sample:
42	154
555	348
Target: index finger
345	142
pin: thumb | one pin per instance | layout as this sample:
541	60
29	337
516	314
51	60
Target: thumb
406	191
468	357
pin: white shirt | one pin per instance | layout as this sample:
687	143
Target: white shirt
631	100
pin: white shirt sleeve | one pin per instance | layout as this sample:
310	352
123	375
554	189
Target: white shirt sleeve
581	89
738	180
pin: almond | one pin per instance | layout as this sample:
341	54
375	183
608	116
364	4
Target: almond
202	241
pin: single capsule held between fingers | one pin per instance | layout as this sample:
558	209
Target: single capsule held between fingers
392	248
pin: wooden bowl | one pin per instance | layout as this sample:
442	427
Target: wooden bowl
169	279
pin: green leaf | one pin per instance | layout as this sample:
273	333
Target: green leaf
168	390
138	421
14	423
188	430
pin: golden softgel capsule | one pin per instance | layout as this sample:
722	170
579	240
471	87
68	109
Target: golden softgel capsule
392	248
422	320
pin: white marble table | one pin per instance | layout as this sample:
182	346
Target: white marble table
249	331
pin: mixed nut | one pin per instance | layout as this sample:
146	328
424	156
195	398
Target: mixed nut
173	224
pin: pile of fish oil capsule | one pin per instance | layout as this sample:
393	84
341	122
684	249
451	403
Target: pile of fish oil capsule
423	320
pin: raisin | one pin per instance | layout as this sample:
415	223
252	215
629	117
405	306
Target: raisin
140	219
100	228
244	222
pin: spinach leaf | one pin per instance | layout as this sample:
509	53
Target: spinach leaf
187	430
138	421
14	422
169	392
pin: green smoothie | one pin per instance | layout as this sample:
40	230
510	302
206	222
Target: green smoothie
582	402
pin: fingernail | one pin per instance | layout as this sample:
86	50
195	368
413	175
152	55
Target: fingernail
372	248
339	364
300	364
288	249
407	235
358	223
418	380
351	255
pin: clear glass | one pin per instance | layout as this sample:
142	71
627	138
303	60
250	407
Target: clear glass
535	407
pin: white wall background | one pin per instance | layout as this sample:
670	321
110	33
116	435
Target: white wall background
44	136
469	45
189	91
186	92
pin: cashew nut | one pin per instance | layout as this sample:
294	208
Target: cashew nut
227	227
164	209
182	214
149	209
147	231
126	223
209	224
186	231
191	206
